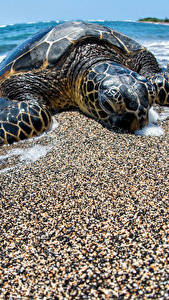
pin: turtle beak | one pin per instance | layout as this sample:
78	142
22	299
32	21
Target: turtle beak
139	123
131	121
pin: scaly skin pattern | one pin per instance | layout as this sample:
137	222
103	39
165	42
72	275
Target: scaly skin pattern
21	120
161	83
116	95
105	74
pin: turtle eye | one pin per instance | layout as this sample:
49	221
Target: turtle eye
105	100
113	94
111	101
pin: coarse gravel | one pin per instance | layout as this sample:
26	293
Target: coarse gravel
88	220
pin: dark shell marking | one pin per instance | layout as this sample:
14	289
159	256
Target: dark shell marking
20	120
45	48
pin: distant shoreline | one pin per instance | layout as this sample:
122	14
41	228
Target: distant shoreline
154	21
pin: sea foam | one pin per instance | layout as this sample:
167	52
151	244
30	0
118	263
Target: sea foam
150	130
153	129
27	155
160	49
2	57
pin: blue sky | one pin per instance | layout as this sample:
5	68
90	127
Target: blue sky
17	11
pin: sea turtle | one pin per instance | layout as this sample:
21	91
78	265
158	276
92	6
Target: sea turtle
106	74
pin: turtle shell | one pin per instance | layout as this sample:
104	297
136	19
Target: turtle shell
45	48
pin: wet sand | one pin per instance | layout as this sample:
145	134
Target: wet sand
90	219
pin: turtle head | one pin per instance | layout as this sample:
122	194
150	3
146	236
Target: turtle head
161	84
126	97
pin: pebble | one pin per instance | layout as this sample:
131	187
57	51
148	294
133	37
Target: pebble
90	219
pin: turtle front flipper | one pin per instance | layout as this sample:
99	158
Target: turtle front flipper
21	120
161	83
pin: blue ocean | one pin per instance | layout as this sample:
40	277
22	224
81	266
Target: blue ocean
154	36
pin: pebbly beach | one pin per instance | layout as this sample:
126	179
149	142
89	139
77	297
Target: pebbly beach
89	219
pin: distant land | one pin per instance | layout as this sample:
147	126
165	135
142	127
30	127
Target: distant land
154	20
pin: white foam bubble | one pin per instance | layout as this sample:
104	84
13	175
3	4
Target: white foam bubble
2	57
6	170
54	123
152	129
9	154
164	114
30	154
153	116
159	48
34	153
25	155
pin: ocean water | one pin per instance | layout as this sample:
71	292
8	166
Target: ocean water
154	36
